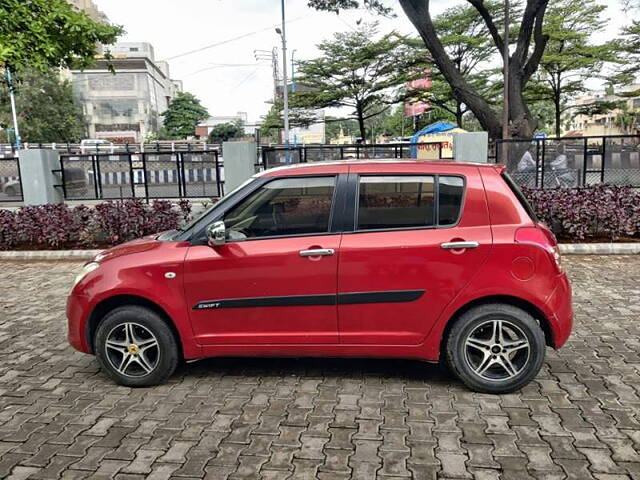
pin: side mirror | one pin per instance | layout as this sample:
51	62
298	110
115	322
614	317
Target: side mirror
216	234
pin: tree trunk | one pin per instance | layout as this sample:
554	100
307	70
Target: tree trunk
459	114
363	130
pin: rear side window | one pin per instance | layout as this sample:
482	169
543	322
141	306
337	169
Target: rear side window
520	196
389	202
396	202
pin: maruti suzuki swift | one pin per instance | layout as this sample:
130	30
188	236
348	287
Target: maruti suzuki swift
432	261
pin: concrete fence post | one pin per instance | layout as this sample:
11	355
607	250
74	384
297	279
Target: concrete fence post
38	178
471	147
239	163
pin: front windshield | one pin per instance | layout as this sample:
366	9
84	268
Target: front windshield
224	199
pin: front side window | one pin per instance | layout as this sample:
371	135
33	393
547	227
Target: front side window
396	202
284	207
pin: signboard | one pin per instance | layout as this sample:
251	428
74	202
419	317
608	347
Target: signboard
418	108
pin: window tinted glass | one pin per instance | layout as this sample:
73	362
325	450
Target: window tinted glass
450	193
290	206
395	202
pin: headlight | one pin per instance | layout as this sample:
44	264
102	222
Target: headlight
88	268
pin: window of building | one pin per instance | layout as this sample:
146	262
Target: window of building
289	206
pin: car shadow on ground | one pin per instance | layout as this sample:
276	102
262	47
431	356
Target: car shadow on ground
312	367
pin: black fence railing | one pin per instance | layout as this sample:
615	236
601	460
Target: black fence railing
10	181
280	155
196	174
572	162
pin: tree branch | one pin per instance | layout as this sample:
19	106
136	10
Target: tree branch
488	20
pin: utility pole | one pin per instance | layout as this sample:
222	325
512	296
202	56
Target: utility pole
285	90
12	96
505	111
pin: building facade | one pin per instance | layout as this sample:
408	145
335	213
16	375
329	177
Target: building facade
125	106
624	120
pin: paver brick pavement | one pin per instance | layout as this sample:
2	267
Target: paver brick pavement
60	417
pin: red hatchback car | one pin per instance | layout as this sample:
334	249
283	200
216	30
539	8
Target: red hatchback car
423	260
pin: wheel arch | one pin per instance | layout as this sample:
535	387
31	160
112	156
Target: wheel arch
109	304
528	307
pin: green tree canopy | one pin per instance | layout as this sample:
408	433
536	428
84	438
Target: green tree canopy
47	110
226	131
570	57
273	121
629	44
359	72
45	34
185	112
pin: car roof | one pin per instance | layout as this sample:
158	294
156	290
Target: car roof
399	165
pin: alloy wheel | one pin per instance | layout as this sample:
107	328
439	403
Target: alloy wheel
497	350
132	350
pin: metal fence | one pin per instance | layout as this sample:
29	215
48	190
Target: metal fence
8	150
10	181
572	162
281	155
195	174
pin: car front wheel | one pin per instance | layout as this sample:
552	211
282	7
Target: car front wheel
495	348
136	347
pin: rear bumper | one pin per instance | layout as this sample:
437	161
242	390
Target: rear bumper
78	309
560	311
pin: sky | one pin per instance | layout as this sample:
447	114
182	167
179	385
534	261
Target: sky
227	77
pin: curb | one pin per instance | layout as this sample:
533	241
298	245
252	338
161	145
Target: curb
71	255
600	248
48	255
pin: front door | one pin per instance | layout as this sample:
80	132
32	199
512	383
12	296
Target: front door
275	280
403	263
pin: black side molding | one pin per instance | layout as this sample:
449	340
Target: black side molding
393	296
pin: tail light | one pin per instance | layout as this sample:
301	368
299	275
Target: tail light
542	237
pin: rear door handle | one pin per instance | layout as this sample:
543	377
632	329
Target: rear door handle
317	252
459	245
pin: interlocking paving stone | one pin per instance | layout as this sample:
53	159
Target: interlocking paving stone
61	417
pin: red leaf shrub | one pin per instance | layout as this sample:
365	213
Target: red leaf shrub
109	223
598	211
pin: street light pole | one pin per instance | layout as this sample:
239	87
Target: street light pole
285	89
505	55
12	96
293	71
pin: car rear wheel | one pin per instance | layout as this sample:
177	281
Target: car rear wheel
495	348
10	192
136	347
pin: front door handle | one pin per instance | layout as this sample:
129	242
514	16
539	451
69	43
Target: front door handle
317	252
459	245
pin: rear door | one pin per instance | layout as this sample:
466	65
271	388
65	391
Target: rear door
417	239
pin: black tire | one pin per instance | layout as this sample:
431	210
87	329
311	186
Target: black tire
467	362
10	192
150	365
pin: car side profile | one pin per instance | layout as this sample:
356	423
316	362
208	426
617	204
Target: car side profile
433	261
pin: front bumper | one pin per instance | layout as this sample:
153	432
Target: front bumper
560	311
78	310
